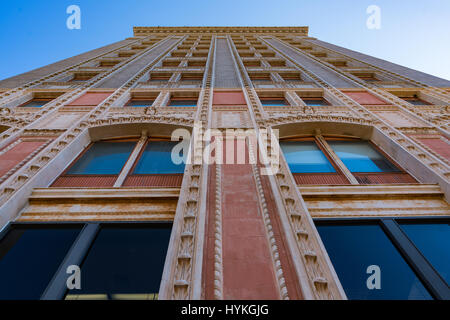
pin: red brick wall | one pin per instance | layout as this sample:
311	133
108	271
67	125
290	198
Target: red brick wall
90	99
16	154
437	145
364	97
228	98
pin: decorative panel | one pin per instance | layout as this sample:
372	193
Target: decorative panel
17	153
364	97
90	99
228	98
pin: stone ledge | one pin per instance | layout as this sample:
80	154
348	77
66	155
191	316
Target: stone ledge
390	190
101	193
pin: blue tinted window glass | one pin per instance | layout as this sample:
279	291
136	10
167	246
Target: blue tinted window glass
305	157
360	156
140	103
36	103
157	159
433	240
183	103
124	263
103	158
29	257
274	102
353	248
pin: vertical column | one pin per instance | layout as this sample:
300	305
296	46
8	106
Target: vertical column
181	279
307	254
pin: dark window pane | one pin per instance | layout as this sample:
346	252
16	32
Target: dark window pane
433	240
157	159
353	248
140	103
315	102
305	157
360	156
29	257
274	102
124	262
183	103
103	158
416	101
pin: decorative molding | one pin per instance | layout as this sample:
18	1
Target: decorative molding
218	265
316	274
142	31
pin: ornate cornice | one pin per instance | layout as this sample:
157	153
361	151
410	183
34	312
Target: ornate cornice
142	31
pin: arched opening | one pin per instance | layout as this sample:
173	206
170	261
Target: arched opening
126	155
338	153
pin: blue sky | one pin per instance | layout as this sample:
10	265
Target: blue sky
413	33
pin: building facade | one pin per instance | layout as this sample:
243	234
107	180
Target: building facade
93	204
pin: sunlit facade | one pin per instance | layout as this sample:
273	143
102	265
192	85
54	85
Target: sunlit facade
95	205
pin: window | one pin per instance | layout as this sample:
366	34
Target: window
192	77
311	162
102	158
277	63
315	102
140	103
200	54
83	76
118	260
35	103
182	102
124	262
416	101
305	157
260	77
354	247
160	76
360	156
252	63
274	102
368	77
412	254
196	63
432	239
29	257
291	76
171	63
101	163
267	54
108	63
156	159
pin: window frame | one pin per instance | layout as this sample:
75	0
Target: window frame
142	176
321	148
326	102
422	268
171	98
110	178
57	288
286	103
46	100
140	99
90	146
423	102
358	175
